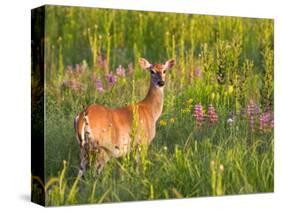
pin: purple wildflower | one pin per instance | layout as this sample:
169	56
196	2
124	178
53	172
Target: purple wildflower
120	71
252	110
212	115
198	73
252	122
100	60
73	85
198	114
111	79
266	121
99	86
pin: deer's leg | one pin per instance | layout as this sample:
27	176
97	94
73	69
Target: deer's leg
84	160
101	160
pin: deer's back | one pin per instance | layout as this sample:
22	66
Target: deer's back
112	128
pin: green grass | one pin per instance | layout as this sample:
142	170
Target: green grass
183	160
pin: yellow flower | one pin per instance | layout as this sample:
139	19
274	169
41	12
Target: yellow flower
190	101
172	120
185	110
213	96
162	123
230	89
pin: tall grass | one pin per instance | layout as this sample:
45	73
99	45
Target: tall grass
223	61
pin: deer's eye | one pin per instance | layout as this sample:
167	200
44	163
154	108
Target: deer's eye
164	71
152	72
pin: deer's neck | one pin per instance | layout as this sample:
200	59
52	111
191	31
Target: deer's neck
154	100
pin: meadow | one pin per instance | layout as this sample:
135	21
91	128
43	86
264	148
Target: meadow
215	135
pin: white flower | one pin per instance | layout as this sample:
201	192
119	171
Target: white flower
230	121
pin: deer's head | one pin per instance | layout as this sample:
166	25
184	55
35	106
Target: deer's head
157	71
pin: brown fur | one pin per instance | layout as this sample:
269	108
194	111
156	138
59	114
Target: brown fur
110	129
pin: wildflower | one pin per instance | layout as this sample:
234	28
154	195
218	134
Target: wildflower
229	121
69	70
172	120
99	86
212	115
165	148
111	79
230	89
73	85
252	122
190	101
198	73
221	167
185	110
100	60
266	121
252	110
120	71
198	114
162	123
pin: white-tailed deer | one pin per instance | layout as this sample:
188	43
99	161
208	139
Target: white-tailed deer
106	132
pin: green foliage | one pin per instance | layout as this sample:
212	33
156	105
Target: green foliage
223	61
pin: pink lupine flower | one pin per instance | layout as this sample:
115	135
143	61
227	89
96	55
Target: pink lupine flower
198	114
252	122
266	121
111	79
99	86
100	60
69	70
252	110
78	68
120	71
212	115
72	84
198	73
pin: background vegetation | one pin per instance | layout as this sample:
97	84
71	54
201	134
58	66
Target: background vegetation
215	136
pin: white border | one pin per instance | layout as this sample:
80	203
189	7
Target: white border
15	102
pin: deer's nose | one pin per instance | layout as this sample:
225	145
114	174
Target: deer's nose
161	83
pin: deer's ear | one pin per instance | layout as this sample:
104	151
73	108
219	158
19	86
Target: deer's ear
170	63
144	63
